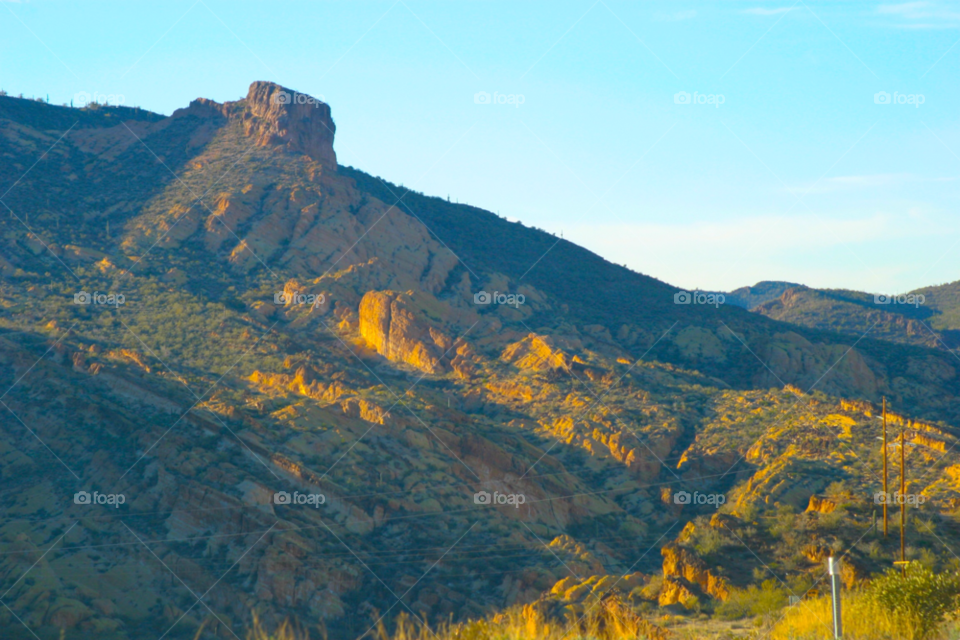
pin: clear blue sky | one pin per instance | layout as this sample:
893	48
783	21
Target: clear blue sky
798	175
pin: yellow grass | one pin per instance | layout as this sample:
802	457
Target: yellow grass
608	619
286	631
863	619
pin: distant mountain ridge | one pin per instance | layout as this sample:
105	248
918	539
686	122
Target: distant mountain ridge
764	291
929	317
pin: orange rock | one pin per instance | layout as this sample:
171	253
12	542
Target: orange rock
391	324
536	352
821	505
672	592
276	115
681	563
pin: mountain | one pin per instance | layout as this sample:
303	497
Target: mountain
750	297
924	317
324	397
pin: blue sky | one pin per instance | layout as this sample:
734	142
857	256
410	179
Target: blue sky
781	165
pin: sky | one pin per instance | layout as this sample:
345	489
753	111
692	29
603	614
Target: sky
711	145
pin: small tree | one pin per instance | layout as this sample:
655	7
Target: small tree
922	595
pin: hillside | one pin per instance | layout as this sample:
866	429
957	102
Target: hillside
291	325
927	322
750	297
634	310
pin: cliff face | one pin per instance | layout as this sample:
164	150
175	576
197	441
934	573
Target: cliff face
277	115
389	322
681	565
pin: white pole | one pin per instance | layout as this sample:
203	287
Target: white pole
833	568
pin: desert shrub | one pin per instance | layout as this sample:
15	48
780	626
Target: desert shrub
839	492
750	512
832	520
921	595
764	600
872	548
928	559
706	540
784	523
651	590
693	604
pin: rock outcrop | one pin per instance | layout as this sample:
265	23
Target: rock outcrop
394	325
679	563
673	592
820	504
277	115
539	353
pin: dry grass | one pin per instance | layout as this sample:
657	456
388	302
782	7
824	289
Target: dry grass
863	619
286	631
608	619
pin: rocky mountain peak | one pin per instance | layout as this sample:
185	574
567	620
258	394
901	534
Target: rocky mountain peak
277	115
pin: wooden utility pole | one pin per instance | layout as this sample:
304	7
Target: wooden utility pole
903	502
886	494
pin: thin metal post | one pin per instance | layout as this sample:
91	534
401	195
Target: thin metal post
833	568
886	495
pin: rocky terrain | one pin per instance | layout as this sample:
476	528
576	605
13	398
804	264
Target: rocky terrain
326	398
911	318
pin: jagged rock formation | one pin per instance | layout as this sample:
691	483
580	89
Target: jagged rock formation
394	325
682	567
274	114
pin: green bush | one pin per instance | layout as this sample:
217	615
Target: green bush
764	600
922	595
